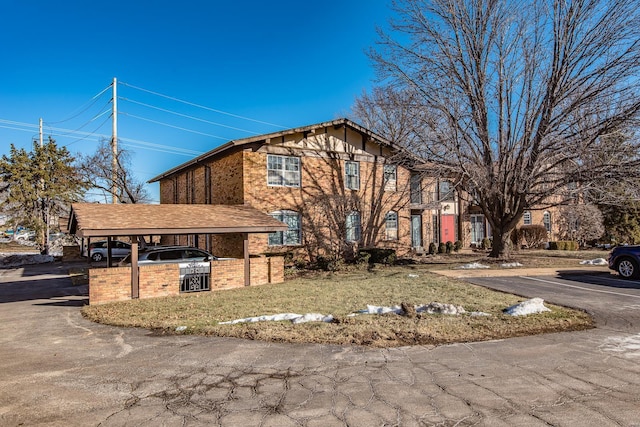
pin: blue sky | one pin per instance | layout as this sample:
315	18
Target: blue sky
285	63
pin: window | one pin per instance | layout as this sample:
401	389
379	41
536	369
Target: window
446	190
546	220
477	228
391	225
353	227
291	237
390	177
283	171
416	189
352	175
526	218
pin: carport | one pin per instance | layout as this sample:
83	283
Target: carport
89	220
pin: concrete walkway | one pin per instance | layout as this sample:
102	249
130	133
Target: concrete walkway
60	370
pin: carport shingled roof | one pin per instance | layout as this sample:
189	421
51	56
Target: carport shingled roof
92	219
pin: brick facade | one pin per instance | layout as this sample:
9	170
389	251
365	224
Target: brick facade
238	175
162	280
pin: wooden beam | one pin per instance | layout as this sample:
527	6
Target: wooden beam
135	279
247	262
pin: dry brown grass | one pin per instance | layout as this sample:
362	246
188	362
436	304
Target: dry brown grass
340	294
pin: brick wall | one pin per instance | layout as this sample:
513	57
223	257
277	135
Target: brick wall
109	285
238	176
323	201
161	280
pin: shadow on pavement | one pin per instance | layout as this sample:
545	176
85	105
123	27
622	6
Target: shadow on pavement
41	281
599	278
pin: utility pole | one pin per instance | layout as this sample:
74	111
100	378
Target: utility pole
114	143
40	132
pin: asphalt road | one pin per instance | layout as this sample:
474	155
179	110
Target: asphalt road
612	301
57	369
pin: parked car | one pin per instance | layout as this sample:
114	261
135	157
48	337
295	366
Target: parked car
98	250
10	232
158	254
626	261
25	235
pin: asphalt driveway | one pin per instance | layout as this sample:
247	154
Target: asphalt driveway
60	370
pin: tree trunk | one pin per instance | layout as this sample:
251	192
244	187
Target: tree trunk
502	245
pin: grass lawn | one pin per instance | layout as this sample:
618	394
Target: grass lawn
340	294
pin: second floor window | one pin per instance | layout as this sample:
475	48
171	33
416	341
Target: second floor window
526	218
352	175
283	171
390	177
446	191
291	237
353	227
416	189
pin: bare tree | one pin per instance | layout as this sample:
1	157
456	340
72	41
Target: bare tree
518	97
580	222
96	171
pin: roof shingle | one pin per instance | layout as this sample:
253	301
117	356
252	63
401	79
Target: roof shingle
92	219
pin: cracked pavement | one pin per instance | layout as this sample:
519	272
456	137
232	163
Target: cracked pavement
59	369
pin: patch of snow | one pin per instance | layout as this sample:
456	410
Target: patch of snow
431	308
531	306
313	317
472	266
510	265
597	261
293	317
438	308
374	309
412	275
181	328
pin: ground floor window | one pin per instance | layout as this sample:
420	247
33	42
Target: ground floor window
391	225
291	237
546	220
477	229
353	227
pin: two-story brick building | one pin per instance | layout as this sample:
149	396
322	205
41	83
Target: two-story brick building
337	185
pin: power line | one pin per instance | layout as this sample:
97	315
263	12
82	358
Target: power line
28	127
91	102
203	107
187	116
173	126
87	136
89	121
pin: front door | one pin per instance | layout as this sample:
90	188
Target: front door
416	231
447	228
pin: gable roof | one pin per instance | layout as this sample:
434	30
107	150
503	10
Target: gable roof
239	142
93	219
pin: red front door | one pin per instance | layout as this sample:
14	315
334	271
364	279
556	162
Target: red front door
448	228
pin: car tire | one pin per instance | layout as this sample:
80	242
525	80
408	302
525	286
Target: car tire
628	268
97	257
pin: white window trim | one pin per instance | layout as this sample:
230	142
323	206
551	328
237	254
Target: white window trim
283	240
353	227
356	176
293	175
390	183
546	221
391	233
526	218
